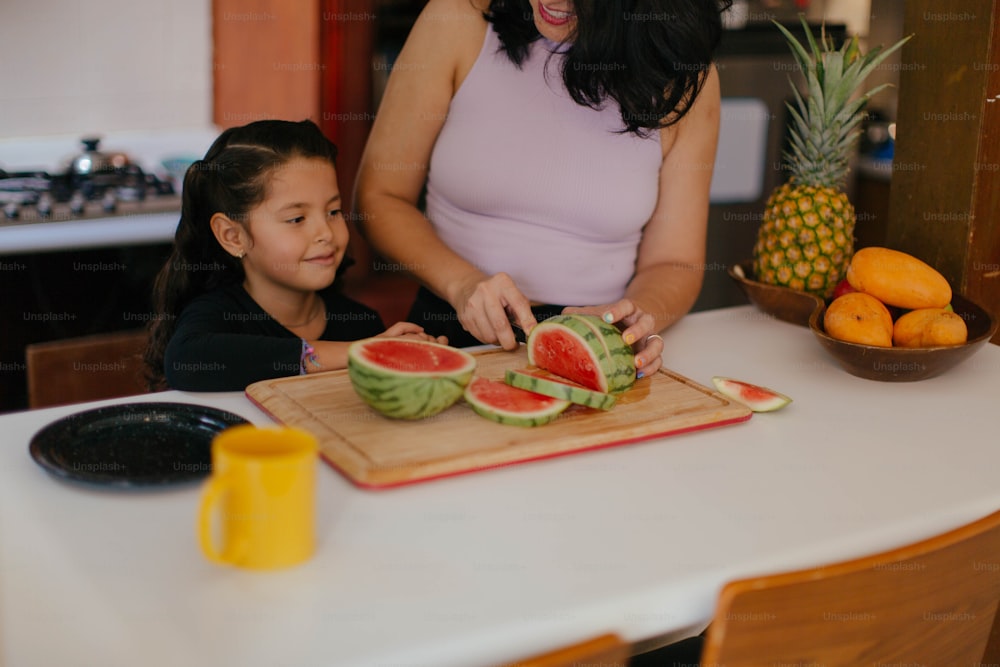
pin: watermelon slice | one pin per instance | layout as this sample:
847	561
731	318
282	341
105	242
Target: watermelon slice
548	384
758	399
408	379
585	350
509	405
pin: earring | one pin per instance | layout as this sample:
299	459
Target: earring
242	254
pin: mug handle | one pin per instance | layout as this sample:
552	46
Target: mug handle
217	485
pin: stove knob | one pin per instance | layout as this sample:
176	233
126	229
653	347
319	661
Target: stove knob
12	210
76	203
44	205
109	202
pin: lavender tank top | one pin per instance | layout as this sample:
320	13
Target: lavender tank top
524	180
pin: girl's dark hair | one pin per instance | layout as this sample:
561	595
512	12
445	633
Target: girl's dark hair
232	179
649	56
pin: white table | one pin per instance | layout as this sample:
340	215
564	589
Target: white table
500	564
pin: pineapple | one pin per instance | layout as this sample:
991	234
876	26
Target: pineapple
806	238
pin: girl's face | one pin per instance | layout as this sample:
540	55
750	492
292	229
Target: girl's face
298	234
554	19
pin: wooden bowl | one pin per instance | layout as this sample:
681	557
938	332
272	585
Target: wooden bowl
782	303
902	364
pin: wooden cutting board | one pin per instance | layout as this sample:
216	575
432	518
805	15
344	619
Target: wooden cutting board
376	452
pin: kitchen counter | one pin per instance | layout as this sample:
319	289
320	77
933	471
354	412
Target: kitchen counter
499	564
114	231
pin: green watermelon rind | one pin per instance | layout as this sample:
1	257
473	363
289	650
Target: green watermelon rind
555	389
587	335
733	389
613	359
523	419
407	395
621	377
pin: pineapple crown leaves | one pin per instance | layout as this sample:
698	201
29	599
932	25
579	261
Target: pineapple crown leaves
825	123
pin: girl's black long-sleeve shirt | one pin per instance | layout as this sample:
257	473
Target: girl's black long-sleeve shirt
225	341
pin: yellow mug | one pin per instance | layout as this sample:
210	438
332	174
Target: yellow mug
264	485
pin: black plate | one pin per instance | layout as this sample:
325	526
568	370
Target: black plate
132	445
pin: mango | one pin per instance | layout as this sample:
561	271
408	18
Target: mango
898	279
859	318
929	327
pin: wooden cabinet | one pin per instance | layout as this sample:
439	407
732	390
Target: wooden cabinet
943	205
323	60
871	205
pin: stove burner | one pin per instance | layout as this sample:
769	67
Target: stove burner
37	196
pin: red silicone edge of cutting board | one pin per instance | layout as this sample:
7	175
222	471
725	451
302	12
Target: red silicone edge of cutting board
506	464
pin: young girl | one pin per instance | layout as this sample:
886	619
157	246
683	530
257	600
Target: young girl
248	292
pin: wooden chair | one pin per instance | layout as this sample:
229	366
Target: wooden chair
605	650
930	603
88	368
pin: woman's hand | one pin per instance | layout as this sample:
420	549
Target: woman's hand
638	329
488	305
411	330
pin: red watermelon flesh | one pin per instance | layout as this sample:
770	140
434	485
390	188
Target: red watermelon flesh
509	405
502	396
564	354
755	397
413	357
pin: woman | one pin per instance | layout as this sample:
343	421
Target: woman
566	147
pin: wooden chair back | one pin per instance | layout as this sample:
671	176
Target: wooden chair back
88	368
930	603
607	650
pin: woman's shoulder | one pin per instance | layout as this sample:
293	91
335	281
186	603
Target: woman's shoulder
455	26
455	9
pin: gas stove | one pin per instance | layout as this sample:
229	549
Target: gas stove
56	195
38	196
91	185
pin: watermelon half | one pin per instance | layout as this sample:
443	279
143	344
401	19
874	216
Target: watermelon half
755	397
408	379
584	349
548	384
509	405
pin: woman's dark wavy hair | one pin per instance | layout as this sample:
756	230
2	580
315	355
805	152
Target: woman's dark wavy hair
232	179
649	56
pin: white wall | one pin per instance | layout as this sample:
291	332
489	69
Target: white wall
101	66
854	13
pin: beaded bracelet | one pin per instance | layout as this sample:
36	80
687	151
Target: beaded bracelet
308	354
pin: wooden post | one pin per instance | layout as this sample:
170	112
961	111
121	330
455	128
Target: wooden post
945	198
346	114
266	61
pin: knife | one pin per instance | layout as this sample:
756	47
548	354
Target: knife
519	334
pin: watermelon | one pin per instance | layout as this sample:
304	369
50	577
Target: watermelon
584	349
758	399
509	405
548	384
408	379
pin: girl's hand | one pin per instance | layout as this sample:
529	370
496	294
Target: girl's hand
411	330
638	329
488	306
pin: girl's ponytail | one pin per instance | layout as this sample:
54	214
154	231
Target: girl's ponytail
196	264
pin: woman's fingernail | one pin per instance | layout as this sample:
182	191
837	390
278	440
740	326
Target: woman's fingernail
639	375
639	362
629	339
609	318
